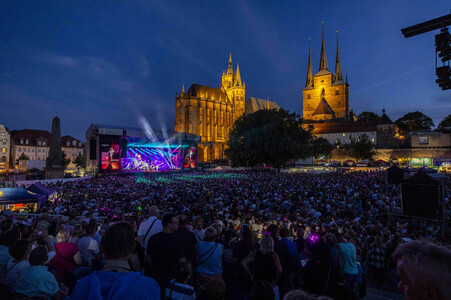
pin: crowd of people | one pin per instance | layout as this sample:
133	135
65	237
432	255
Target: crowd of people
224	235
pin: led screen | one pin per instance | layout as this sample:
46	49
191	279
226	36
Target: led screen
158	158
109	156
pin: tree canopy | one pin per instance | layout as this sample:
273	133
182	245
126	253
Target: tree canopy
80	161
360	148
413	121
272	137
445	124
321	147
368	116
65	159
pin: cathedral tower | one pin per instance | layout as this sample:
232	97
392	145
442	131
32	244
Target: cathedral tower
210	112
325	95
235	89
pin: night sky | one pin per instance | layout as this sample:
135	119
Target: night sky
111	62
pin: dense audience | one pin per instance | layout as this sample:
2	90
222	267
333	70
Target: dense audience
224	235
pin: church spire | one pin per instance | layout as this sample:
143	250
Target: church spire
323	60
237	76
183	87
338	72
309	81
230	68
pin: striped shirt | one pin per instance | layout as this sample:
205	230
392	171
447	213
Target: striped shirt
179	291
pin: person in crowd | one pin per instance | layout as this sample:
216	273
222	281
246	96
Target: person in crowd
263	290
36	280
300	242
164	252
178	288
88	246
320	274
7	238
198	229
376	261
264	264
188	239
77	233
349	260
149	227
335	253
67	257
283	253
241	250
424	269
215	289
137	258
209	259
116	280
19	251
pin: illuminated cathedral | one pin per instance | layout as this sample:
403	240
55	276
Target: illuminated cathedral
210	112
325	96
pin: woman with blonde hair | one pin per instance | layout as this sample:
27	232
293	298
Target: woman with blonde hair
67	257
264	264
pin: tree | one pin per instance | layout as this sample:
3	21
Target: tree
272	137
321	147
66	161
23	156
80	161
445	125
360	148
368	116
413	121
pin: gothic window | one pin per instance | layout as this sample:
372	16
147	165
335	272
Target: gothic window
309	97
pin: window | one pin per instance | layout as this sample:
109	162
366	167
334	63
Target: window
74	143
39	143
26	141
337	92
19	149
3	158
21	141
68	144
4	142
43	143
308	96
372	140
344	134
3	150
422	140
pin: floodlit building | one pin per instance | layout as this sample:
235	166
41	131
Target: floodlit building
5	142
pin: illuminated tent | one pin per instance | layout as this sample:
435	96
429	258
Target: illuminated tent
41	189
20	196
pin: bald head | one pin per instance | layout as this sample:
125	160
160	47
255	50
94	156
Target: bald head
153	211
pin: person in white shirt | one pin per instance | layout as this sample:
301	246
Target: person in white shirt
88	246
149	227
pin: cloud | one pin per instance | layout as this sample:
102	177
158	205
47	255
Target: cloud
57	60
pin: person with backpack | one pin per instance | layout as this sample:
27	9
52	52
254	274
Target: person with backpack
149	227
209	259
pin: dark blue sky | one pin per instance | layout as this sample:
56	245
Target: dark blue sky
111	62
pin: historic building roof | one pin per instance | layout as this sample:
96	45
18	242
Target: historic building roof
31	135
253	104
343	127
73	142
384	120
206	92
323	108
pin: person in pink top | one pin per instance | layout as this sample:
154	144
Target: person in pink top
67	257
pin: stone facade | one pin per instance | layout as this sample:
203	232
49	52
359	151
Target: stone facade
430	140
325	95
210	112
5	142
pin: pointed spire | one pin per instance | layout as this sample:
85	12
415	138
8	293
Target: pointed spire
383	110
309	81
323	60
230	68
237	76
338	73
183	88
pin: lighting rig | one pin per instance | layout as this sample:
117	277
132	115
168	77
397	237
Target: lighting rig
442	46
